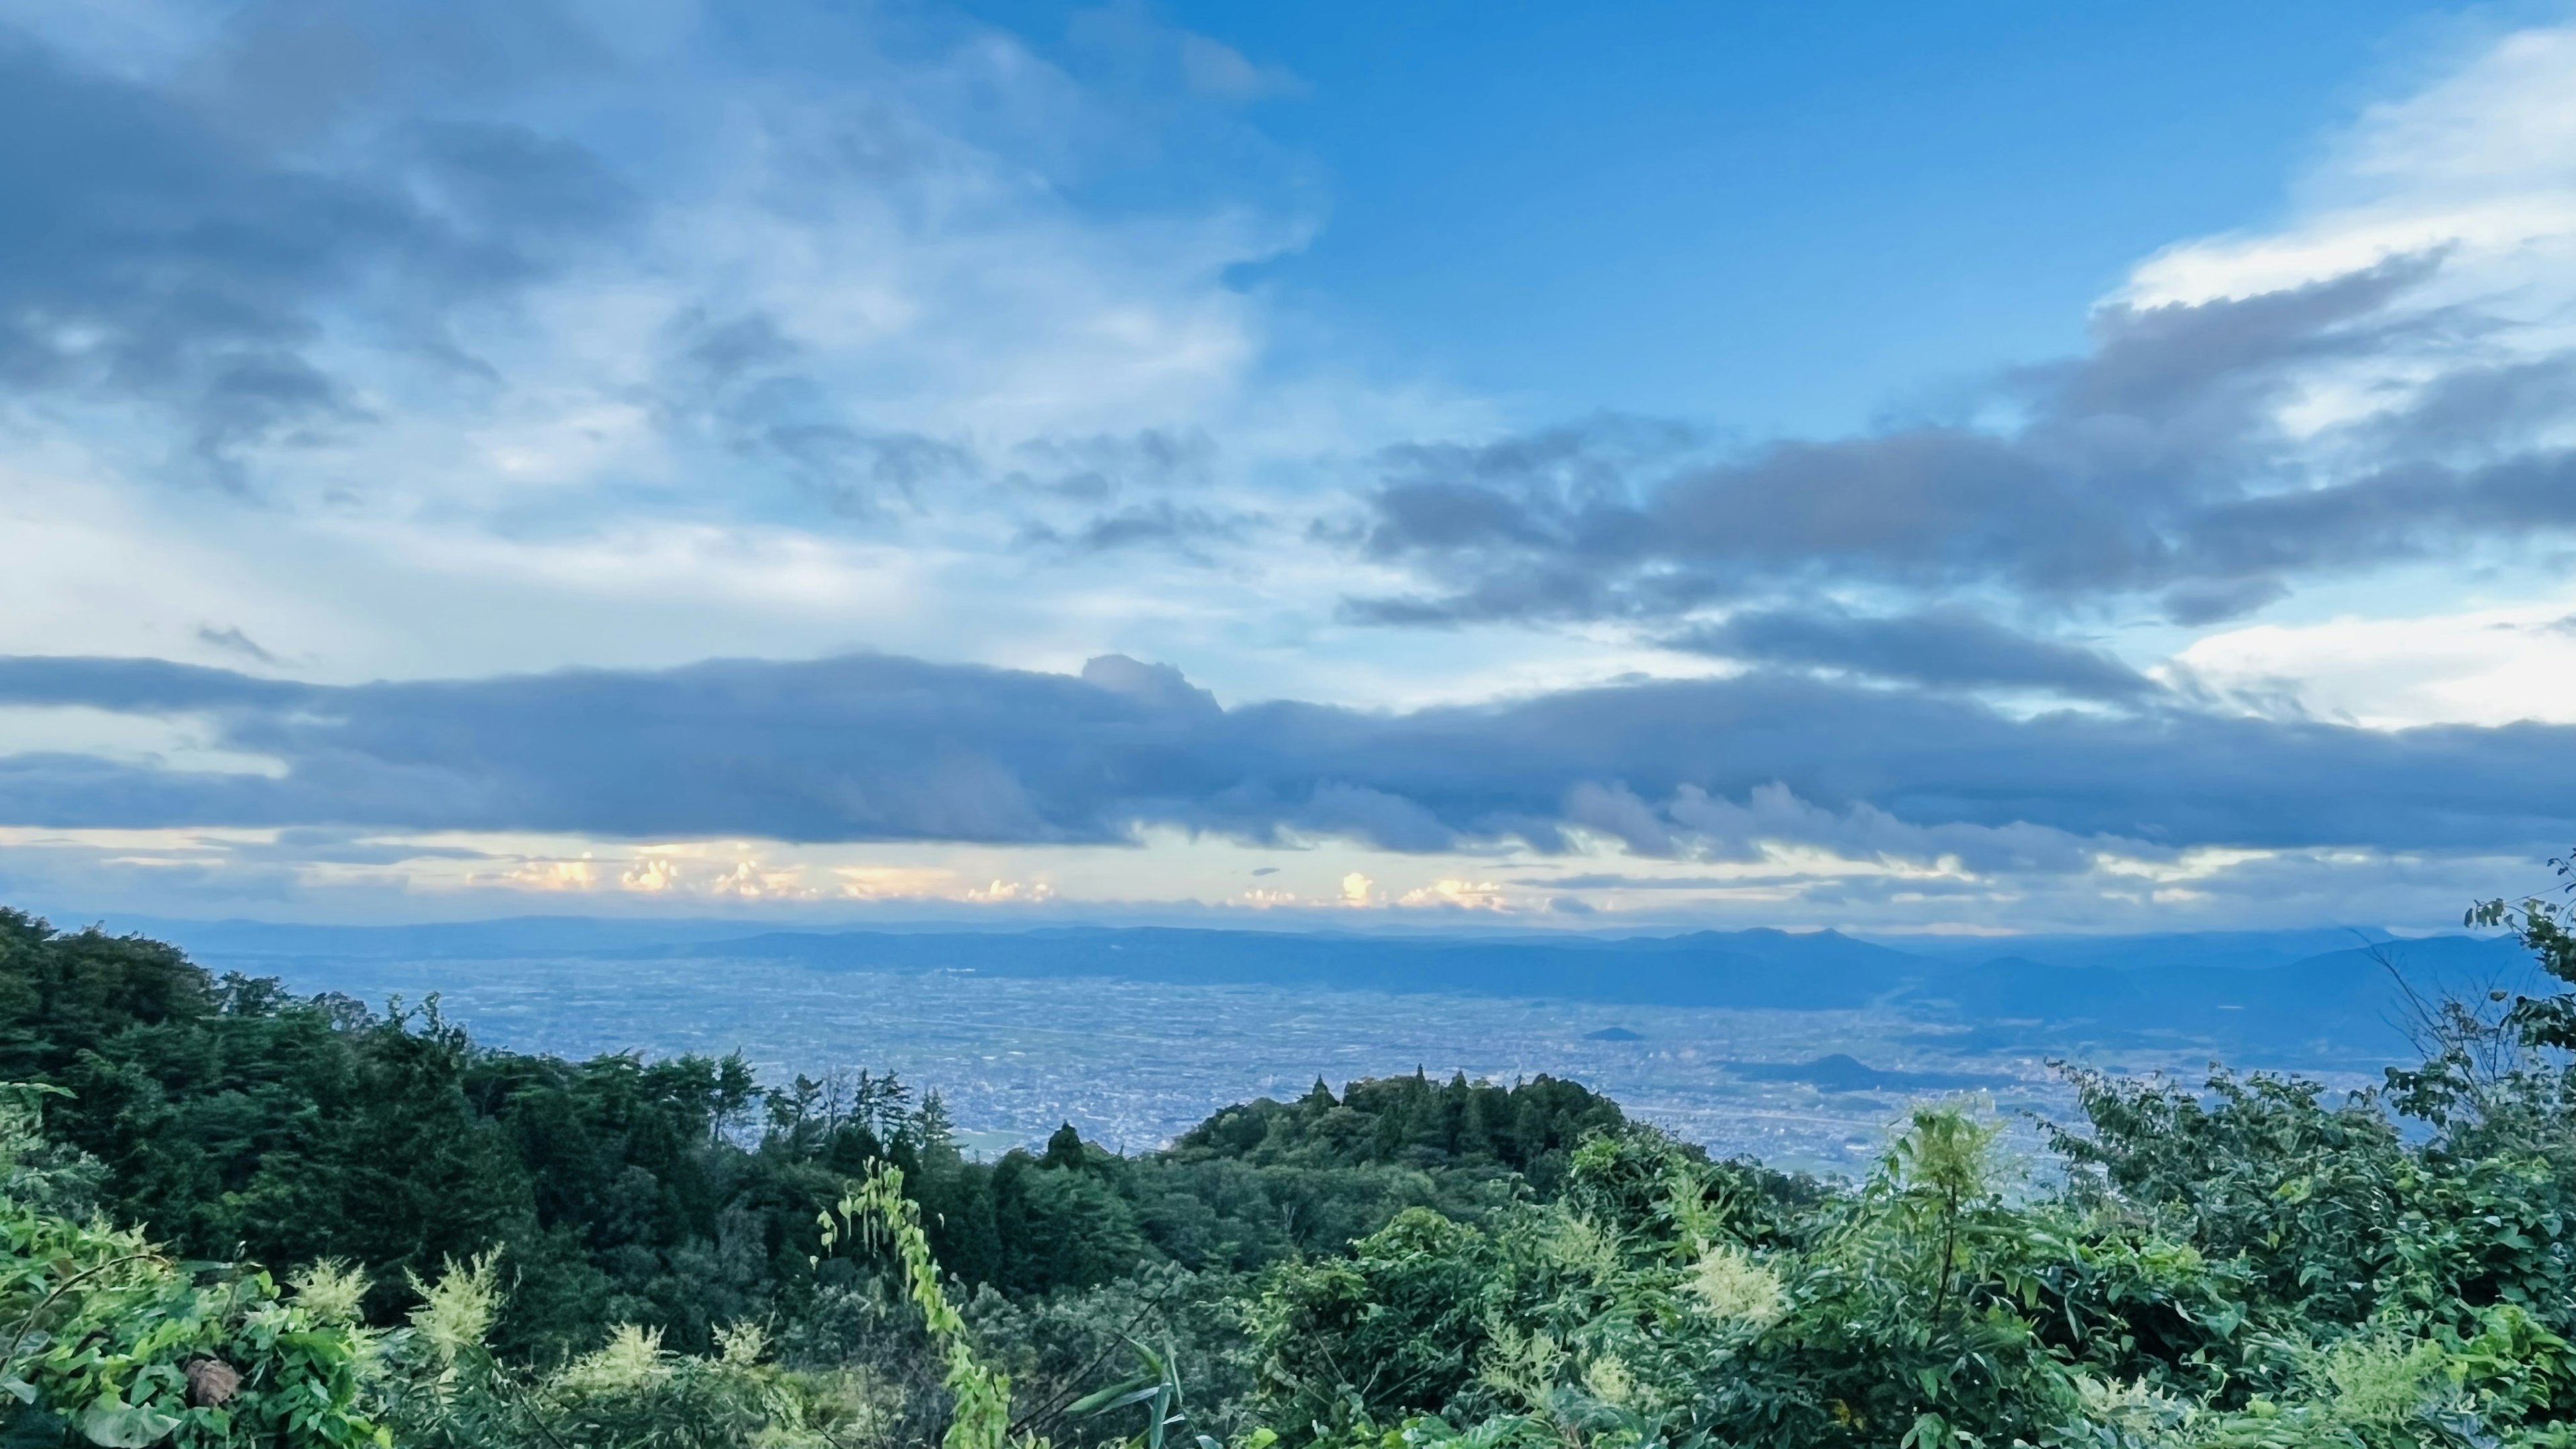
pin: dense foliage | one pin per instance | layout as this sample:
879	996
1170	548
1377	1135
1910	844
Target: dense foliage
237	1120
232	1216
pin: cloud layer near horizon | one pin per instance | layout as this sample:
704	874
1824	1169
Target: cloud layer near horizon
882	748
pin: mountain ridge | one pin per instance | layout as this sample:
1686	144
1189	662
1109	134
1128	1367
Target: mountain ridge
2233	990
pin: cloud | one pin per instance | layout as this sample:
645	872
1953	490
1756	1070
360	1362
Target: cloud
1159	523
170	247
1213	68
626	339
2166	461
307	846
232	640
2480	162
1155	58
1938	648
142	686
745	387
434	249
1098	468
1615	880
2386	377
2479	666
879	748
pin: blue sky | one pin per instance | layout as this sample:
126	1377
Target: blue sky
2012	467
1774	217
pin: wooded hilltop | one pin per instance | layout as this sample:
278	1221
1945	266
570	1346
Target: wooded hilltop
233	1216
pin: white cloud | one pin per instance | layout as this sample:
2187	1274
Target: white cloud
2476	167
2477	170
547	487
2481	163
73	875
2483	666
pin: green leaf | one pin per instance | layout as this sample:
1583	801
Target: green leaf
1134	1391
120	1425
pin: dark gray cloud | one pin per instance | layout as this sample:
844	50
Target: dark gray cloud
2213	601
1098	468
1160	523
2150	466
743	384
143	686
185	247
2495	411
1938	648
882	748
1157	522
232	640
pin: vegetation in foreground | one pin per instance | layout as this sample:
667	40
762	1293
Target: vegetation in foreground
229	1216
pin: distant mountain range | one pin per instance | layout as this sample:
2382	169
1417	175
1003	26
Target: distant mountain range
2308	995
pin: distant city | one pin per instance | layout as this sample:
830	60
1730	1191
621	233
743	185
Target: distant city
1798	1049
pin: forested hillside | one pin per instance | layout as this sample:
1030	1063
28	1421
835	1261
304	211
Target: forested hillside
238	1216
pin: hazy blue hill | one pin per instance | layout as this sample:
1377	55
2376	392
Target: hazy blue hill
1763	943
2241	949
2016	987
2343	1003
2269	995
2335	1002
1841	1072
509	937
